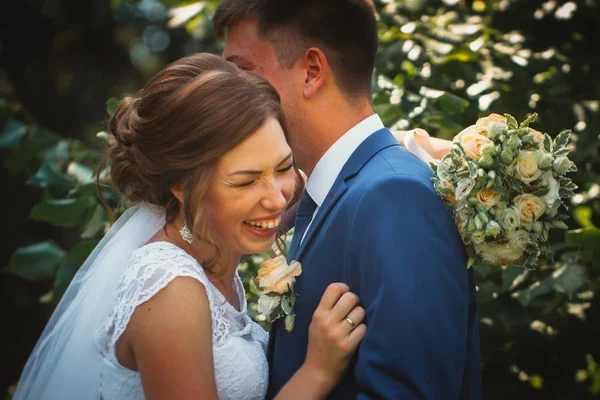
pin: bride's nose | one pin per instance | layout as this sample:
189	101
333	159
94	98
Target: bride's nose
274	198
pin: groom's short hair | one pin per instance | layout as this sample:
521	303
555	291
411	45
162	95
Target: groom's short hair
345	30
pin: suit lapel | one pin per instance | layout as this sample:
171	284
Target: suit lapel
378	141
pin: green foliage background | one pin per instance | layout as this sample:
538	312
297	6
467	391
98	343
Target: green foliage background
441	65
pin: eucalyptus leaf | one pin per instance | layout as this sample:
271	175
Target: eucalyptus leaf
36	262
12	132
61	212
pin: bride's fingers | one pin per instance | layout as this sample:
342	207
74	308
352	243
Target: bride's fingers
356	335
353	319
343	307
332	294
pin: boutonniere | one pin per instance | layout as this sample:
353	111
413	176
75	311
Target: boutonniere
275	280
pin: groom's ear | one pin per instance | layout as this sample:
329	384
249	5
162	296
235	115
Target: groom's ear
316	71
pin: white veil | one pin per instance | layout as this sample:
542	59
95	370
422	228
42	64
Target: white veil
65	363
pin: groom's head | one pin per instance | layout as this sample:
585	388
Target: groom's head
316	53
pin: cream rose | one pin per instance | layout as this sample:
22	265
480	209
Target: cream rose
485	122
538	136
488	198
275	275
530	208
472	140
525	166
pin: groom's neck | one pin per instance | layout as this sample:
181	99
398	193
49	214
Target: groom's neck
325	125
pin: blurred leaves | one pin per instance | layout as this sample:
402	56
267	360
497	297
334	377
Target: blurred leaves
36	262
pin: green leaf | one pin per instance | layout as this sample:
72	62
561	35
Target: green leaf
512	276
285	305
49	176
36	262
588	240
453	104
111	106
526	296
569	278
528	120
583	216
512	122
547	143
562	139
487	291
61	212
12	133
95	227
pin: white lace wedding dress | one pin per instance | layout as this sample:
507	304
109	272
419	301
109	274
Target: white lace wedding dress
239	344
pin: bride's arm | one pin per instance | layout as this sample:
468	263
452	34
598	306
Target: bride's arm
434	147
331	343
173	364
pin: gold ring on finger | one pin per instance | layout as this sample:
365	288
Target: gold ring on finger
352	323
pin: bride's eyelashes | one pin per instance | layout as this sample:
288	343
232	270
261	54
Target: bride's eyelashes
283	170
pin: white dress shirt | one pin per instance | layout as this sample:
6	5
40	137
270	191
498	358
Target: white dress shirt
330	165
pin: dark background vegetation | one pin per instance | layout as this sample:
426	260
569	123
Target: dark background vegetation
441	65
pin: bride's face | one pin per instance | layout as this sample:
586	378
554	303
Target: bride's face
250	189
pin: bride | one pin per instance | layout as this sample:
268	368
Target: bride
158	311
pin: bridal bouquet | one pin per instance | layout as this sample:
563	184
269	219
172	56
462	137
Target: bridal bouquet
276	279
505	185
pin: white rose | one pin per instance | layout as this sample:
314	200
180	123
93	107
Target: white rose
495	129
510	218
266	304
553	189
463	188
525	166
519	239
275	275
478	237
493	229
561	165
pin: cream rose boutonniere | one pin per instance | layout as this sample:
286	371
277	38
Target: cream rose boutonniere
275	280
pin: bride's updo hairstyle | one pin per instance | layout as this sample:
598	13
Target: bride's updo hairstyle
187	117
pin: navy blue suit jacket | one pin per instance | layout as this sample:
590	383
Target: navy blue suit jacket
384	231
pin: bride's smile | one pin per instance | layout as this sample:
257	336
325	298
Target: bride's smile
251	187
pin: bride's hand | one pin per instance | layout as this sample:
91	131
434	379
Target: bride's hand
334	334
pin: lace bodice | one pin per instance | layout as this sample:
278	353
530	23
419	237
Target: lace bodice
239	344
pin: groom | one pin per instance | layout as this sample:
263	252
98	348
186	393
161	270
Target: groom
369	217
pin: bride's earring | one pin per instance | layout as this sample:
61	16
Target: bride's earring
186	234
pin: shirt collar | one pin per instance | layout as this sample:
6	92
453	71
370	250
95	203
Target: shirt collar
330	165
